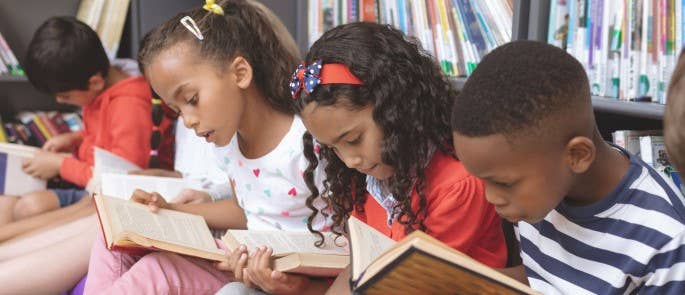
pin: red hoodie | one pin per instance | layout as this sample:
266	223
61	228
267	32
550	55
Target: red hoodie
119	121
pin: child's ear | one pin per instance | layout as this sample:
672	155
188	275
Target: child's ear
242	72
580	153
96	82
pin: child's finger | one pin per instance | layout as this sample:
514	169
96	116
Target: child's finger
247	279
265	259
279	276
140	196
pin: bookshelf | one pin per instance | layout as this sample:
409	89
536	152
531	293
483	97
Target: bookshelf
611	114
10	78
20	18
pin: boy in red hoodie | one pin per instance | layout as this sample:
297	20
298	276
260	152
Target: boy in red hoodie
66	59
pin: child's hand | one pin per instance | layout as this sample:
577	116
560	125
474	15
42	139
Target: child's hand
60	143
237	261
43	165
271	281
157	172
191	196
153	200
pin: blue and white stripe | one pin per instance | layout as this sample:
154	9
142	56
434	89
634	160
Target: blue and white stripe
633	240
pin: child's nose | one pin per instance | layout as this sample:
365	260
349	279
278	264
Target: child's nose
353	162
189	121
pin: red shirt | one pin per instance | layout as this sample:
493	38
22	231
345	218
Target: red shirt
119	121
457	213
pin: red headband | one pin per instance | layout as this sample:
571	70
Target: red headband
316	73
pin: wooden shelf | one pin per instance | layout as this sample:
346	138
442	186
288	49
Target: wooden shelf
645	110
10	78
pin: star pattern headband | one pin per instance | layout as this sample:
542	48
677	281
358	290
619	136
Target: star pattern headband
308	77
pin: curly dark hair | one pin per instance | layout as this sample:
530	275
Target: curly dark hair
516	87
411	99
248	29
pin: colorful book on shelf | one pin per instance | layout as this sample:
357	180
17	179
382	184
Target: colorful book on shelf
45	120
295	252
419	264
9	58
13	179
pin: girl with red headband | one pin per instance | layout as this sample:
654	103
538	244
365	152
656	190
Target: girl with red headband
380	108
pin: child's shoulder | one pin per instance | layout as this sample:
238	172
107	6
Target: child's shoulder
648	189
445	173
132	86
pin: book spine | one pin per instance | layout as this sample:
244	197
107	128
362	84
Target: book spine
41	127
49	125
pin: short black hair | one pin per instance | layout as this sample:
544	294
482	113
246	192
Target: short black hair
63	54
517	86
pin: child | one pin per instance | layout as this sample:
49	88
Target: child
674	118
380	110
592	218
224	74
66	59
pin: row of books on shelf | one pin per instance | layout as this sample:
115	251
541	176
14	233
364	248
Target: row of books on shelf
629	48
106	17
35	128
458	33
649	146
9	65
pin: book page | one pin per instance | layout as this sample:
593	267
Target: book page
284	242
107	162
123	185
367	245
166	225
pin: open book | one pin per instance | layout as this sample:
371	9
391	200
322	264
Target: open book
123	185
107	162
295	252
13	180
419	264
131	227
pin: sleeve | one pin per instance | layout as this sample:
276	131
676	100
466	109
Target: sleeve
665	272
76	171
130	127
460	216
220	191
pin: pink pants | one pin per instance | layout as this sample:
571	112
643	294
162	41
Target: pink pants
111	272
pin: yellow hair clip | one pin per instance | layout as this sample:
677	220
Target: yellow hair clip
213	7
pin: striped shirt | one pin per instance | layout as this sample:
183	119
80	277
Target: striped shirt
631	241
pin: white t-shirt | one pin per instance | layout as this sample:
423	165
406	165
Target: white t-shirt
271	189
196	159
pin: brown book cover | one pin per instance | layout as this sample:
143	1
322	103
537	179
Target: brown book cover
419	264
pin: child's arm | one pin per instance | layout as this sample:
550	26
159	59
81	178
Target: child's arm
66	142
44	165
221	214
128	129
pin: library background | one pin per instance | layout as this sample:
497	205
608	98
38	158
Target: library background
628	48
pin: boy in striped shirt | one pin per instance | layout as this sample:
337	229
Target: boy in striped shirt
674	118
591	218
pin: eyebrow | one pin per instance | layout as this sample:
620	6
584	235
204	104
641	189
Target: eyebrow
337	139
178	90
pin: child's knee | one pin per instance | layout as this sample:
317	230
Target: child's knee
35	203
